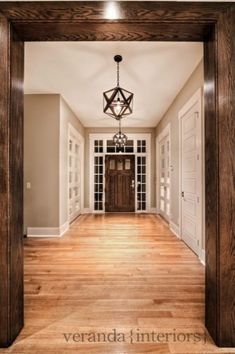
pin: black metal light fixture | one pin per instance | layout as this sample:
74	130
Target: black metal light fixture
118	102
120	139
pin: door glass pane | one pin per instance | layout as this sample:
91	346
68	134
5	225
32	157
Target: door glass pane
120	166
127	164
112	164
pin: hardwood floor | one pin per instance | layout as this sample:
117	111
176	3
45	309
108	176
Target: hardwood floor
114	271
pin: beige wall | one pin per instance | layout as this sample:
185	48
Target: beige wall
41	160
113	131
46	119
194	82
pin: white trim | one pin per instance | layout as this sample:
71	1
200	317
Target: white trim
81	141
197	97
153	210
174	228
64	228
166	131
202	256
109	136
86	211
48	231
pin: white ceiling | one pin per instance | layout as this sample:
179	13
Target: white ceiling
80	71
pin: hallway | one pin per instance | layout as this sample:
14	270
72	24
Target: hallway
113	271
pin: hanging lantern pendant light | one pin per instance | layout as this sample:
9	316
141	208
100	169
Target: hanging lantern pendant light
118	102
120	139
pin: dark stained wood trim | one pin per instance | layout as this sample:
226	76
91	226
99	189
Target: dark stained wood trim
136	11
211	185
4	185
11	184
226	175
213	23
16	185
151	31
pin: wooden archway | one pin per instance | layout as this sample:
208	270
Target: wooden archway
212	23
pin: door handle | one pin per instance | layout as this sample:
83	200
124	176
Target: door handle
182	194
133	184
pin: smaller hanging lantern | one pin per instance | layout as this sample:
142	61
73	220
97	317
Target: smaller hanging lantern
120	139
118	102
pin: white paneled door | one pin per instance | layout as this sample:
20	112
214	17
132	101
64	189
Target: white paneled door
191	179
164	177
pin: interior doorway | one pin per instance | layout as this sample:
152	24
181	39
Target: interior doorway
120	183
191	180
212	23
75	173
163	147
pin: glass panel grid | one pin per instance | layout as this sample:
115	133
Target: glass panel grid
141	146
141	182
98	146
98	176
128	148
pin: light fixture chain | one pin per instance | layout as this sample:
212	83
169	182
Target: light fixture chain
117	73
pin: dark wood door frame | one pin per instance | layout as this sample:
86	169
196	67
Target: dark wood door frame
213	23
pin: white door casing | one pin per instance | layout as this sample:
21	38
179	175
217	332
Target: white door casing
164	190
75	173
104	137
163	147
190	181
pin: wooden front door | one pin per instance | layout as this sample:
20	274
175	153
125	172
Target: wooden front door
120	183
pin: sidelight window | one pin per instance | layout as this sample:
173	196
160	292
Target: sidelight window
141	183
98	182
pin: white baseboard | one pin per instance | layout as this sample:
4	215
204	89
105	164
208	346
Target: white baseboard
86	211
202	257
174	228
47	231
153	210
64	228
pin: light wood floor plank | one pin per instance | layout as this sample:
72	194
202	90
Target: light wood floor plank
113	271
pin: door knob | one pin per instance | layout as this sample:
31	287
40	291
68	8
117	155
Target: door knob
182	194
133	184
